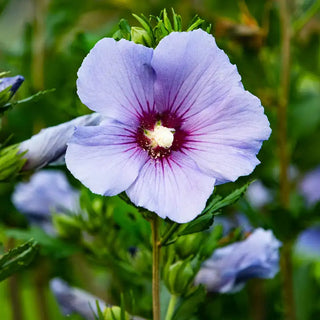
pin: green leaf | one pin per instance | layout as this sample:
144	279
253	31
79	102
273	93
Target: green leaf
195	23
216	202
49	245
177	21
160	30
33	98
99	311
145	23
199	224
166	21
203	221
190	304
17	259
123	308
125	29
211	243
209	27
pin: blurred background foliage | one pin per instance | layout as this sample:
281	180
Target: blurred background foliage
46	41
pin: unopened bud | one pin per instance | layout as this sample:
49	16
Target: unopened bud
141	36
114	313
8	87
189	245
66	226
178	277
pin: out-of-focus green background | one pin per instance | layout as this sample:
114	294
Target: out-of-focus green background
46	41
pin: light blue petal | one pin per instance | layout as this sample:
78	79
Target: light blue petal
47	191
74	300
258	195
172	188
106	158
192	73
116	80
308	242
229	267
225	139
50	143
310	186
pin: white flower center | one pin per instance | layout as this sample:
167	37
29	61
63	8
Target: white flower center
161	136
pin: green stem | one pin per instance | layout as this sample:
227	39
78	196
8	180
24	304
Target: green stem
283	103
38	49
40	282
172	304
257	297
169	233
302	21
287	276
284	155
14	291
15	298
155	268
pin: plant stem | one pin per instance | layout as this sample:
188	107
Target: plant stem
15	298
169	233
40	281
172	303
155	268
283	103
307	16
38	45
287	274
286	257
14	291
257	297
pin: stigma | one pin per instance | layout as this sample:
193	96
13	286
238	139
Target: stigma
160	136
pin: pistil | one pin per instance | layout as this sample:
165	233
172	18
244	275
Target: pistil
160	136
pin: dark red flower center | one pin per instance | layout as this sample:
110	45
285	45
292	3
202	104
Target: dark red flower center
149	122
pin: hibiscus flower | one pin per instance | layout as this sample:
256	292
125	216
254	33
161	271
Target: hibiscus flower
178	122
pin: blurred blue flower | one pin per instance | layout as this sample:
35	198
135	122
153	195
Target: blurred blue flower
230	267
310	186
179	122
234	221
47	191
73	300
77	301
308	243
50	144
13	82
258	195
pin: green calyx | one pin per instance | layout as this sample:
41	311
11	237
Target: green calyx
115	313
154	28
11	162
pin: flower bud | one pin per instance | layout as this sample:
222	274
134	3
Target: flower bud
230	267
178	277
114	313
189	245
141	36
50	144
8	87
66	226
